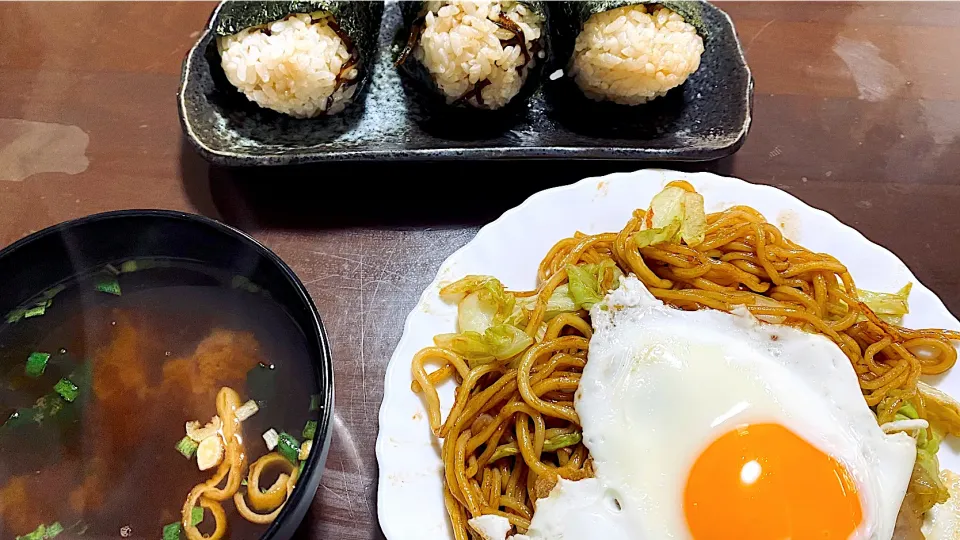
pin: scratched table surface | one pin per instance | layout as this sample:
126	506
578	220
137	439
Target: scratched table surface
857	111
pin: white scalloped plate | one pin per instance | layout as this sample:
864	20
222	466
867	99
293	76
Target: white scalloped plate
410	502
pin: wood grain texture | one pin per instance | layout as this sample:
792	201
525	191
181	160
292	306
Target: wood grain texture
856	112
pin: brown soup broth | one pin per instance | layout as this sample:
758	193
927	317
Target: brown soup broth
154	358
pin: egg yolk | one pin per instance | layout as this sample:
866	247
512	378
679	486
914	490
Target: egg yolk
762	481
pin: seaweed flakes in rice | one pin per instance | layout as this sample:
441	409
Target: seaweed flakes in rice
303	65
634	53
478	53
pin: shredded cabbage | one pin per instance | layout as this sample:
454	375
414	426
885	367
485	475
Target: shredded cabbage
657	235
483	302
694	227
584	288
675	214
907	412
499	342
587	283
550	445
940	409
890	307
559	302
925	483
488	321
943	414
474	314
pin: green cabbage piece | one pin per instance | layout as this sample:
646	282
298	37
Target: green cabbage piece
483	302
659	235
586	282
925	484
943	414
890	307
561	301
940	409
499	342
907	412
550	445
584	286
675	214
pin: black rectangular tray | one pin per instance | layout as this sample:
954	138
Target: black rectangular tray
706	118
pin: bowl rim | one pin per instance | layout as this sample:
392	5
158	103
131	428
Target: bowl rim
315	462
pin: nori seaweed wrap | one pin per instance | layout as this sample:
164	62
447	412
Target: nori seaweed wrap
303	59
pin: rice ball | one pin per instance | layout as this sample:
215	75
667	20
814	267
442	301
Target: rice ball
298	66
629	56
473	55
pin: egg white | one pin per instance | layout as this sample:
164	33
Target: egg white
942	522
661	384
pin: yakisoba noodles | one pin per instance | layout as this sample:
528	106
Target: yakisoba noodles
513	428
266	503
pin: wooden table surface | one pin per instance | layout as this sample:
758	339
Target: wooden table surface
857	112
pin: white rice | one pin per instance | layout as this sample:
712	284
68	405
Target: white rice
461	45
292	67
629	56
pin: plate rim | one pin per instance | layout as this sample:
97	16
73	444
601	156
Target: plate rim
397	361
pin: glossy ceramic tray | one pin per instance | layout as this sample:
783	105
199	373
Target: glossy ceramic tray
706	118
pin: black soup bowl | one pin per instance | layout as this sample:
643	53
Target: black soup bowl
89	245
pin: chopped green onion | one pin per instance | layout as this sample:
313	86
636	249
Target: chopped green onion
37	534
310	429
243	482
187	447
109	285
247	410
171	531
271	438
49	405
67	390
289	447
128	266
315	402
196	515
36	310
43	532
36	364
54	529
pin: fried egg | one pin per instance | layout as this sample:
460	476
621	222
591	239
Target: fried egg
711	425
943	520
